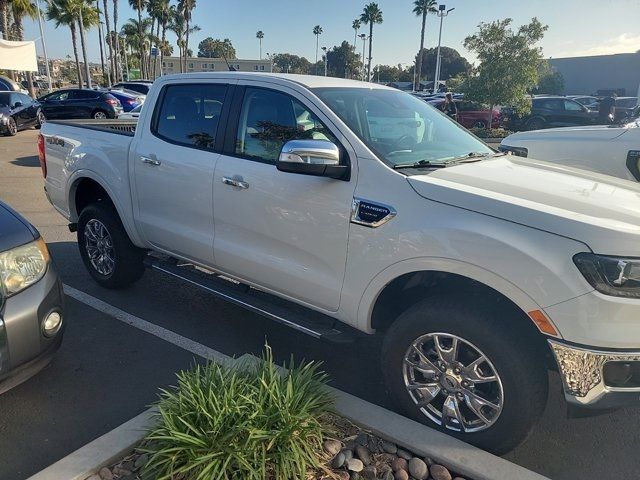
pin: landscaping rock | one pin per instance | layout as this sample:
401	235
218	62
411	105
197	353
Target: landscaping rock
362	439
401	475
388	475
348	455
128	465
141	461
438	472
105	474
429	461
341	475
374	445
355	465
121	472
418	469
399	464
458	478
363	454
332	447
404	454
338	461
390	447
95	476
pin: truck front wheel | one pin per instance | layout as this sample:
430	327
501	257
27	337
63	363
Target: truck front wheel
455	367
106	250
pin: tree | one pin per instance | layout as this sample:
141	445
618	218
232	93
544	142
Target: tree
550	82
186	8
110	46
62	13
317	31
356	28
288	63
451	62
4	19
210	48
509	62
422	8
260	36
371	14
87	16
342	60
160	11
19	10
139	6
119	73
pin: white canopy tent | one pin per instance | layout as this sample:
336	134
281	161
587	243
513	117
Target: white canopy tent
18	56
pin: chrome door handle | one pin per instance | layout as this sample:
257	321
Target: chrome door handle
150	161
235	183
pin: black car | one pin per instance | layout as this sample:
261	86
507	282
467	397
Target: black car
19	111
548	112
31	301
624	109
141	86
8	85
80	103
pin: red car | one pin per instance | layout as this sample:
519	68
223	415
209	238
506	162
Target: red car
472	114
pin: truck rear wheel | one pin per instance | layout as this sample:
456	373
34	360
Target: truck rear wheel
106	250
456	368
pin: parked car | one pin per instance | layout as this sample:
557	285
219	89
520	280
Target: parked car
588	101
472	114
8	85
19	111
80	103
131	114
31	304
140	86
341	208
127	100
625	106
548	112
612	150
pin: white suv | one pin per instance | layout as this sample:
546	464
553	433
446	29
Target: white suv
338	206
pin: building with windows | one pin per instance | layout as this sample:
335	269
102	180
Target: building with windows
201	64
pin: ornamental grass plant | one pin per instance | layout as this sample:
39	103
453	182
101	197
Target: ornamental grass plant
244	422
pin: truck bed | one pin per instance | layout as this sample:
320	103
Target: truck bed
120	127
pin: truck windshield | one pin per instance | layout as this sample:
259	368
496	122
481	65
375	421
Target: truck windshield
399	128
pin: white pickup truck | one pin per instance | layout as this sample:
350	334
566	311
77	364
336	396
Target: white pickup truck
609	149
342	208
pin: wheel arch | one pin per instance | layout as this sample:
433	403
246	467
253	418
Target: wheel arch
405	283
85	188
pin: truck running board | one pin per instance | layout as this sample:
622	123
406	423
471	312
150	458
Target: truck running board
298	317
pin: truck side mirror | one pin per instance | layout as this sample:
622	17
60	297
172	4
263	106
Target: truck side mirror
312	157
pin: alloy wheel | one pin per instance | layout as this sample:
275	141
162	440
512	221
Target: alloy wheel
453	382
99	115
12	126
41	119
99	246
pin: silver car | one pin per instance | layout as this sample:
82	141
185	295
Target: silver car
31	301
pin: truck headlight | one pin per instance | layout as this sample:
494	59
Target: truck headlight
616	276
23	266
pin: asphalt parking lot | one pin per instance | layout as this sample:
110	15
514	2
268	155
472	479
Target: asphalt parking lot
108	371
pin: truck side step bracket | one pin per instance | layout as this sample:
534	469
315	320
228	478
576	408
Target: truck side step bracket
298	317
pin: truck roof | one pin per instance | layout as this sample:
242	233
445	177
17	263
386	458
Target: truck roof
309	81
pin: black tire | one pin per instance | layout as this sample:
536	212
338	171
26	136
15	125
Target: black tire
479	124
520	368
535	124
40	119
127	260
12	128
99	115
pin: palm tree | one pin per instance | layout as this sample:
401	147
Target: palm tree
164	15
4	18
422	8
317	31
62	13
139	6
356	27
370	14
177	25
186	9
260	36
19	10
110	46
119	73
87	17
156	10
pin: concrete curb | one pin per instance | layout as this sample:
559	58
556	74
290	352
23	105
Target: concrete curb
461	457
100	452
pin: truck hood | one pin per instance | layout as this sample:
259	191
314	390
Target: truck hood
601	211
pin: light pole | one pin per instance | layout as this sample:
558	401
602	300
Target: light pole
44	45
442	12
363	37
324	49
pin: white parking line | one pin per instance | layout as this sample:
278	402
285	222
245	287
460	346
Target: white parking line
155	330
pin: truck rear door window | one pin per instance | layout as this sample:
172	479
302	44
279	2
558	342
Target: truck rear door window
190	114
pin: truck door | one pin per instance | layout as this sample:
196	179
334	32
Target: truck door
285	232
173	166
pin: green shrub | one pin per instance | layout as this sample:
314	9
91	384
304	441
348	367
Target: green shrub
490	132
240	423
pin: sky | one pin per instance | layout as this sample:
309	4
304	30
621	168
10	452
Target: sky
576	27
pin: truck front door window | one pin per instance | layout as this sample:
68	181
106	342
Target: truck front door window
189	114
